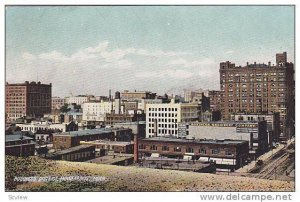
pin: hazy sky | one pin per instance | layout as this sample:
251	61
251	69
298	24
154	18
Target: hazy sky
158	48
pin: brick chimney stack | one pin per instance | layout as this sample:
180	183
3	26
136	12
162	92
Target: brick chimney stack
136	149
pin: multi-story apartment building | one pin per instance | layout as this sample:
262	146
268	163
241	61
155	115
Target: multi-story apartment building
258	88
163	119
57	102
30	100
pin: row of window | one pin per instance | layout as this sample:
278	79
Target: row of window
163	109
163	120
187	149
162	115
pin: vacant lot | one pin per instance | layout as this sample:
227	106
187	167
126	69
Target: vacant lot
134	179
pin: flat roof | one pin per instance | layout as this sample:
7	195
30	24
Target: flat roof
16	137
69	150
90	132
131	123
205	141
109	159
119	143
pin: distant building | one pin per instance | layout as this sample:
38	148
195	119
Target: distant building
19	145
215	100
79	99
71	139
57	103
225	153
137	127
137	95
253	132
189	95
257	88
143	102
163	119
96	111
272	119
36	126
30	100
112	119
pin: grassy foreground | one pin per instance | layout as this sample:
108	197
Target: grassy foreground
130	178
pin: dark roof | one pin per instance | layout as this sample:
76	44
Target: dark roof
98	131
69	150
204	141
16	137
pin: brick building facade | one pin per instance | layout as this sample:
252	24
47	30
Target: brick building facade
27	100
258	88
225	153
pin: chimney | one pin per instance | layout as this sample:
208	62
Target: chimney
136	149
269	63
109	94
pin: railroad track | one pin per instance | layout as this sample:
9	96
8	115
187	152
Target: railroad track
273	167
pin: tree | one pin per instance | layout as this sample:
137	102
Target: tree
64	108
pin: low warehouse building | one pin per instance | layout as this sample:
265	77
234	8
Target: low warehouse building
78	153
225	153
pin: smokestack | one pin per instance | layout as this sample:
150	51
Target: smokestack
109	95
136	149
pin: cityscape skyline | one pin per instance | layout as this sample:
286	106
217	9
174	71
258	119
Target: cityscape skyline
88	50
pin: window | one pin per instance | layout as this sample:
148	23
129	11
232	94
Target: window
165	148
202	151
177	149
215	151
153	147
142	146
189	150
229	153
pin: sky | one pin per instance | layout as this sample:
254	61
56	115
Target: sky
164	49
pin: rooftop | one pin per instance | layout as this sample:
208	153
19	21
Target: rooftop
204	141
66	151
228	123
90	132
117	143
131	123
16	137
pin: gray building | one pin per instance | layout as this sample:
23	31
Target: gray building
252	131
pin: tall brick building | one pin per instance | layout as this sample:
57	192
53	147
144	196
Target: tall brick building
257	88
27	100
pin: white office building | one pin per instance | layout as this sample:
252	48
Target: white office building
163	119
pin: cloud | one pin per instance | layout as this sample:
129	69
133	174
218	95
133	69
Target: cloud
163	74
229	52
193	63
98	68
28	56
